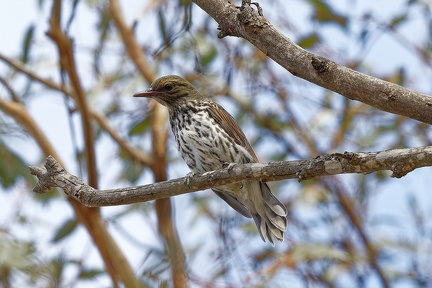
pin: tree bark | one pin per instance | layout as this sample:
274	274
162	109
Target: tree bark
250	24
399	161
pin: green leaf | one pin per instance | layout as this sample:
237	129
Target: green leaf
103	26
46	197
132	170
398	77
364	34
138	128
27	43
90	273
185	2
12	167
15	253
399	19
208	56
163	26
309	40
65	230
324	13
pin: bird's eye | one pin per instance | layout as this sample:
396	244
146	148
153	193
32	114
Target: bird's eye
168	87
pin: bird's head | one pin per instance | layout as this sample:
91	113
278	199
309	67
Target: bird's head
170	90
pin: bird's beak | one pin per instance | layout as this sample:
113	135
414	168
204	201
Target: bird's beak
149	93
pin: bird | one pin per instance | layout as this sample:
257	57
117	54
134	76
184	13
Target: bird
208	138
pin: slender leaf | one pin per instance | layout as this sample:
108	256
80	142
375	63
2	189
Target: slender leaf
12	168
28	37
65	230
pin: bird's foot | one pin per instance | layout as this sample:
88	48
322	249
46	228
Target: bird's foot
230	166
188	177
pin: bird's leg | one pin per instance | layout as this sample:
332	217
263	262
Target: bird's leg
230	166
188	177
260	10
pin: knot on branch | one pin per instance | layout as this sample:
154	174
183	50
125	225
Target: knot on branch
45	182
248	18
401	169
53	175
47	175
320	64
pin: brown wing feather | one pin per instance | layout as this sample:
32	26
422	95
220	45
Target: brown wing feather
227	122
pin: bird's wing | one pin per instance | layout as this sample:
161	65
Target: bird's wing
230	126
233	202
227	123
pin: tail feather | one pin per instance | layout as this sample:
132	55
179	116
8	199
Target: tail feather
268	213
271	219
233	202
258	222
271	200
278	221
270	235
267	230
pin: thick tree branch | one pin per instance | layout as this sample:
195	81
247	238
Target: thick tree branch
247	23
399	161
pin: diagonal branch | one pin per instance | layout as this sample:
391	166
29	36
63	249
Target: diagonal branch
115	261
399	161
68	65
348	205
249	24
131	45
135	153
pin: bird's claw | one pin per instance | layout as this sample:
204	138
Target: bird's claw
188	178
230	166
259	8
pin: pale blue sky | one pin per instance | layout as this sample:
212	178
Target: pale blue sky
16	16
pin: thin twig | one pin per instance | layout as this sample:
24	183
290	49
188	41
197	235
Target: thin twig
131	45
136	154
349	208
11	91
21	67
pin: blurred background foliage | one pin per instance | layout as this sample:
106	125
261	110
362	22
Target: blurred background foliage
344	231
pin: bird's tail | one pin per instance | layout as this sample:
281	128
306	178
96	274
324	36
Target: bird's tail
270	218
